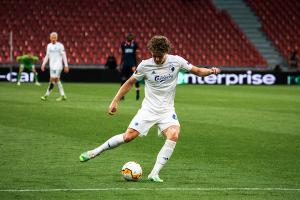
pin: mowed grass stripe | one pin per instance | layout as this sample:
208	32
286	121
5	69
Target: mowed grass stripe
151	189
231	137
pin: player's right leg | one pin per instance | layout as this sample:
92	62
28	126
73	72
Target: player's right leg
123	80
111	143
19	74
49	89
35	75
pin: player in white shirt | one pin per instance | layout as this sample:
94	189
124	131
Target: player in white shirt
160	74
56	55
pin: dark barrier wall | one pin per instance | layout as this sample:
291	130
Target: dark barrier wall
226	78
75	75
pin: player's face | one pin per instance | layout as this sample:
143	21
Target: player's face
159	58
53	38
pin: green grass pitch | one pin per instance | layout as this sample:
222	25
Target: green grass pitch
237	142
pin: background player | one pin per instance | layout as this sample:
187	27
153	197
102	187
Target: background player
27	62
129	61
160	74
56	54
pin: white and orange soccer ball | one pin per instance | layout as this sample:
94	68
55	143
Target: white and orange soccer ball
131	171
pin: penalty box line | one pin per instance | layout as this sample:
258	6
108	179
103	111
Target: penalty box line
148	189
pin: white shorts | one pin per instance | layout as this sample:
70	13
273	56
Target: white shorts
145	119
55	73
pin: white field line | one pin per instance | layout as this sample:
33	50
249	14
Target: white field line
149	189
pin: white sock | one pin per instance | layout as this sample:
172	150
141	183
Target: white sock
163	156
60	88
111	143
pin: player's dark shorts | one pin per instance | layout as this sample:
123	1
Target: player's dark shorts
126	73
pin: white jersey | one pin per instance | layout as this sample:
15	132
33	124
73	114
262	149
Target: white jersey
56	54
160	82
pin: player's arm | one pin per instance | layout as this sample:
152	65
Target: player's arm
122	91
35	59
204	71
137	58
45	59
65	60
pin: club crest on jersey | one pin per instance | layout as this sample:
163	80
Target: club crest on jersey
174	117
172	68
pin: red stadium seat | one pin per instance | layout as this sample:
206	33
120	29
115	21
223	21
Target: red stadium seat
280	22
90	31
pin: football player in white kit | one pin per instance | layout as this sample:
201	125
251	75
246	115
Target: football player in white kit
160	74
56	55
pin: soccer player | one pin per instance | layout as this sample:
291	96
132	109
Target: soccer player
129	61
27	62
56	54
160	74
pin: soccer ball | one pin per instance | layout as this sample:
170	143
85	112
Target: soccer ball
131	171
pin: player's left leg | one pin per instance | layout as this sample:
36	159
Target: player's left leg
137	88
125	75
21	69
171	134
63	96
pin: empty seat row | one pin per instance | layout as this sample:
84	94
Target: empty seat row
91	30
280	22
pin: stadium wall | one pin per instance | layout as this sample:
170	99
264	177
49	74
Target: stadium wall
102	75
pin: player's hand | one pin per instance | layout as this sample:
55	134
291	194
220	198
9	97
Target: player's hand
119	68
66	69
43	68
112	108
215	70
133	68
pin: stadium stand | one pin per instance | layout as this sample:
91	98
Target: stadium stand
281	21
92	29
